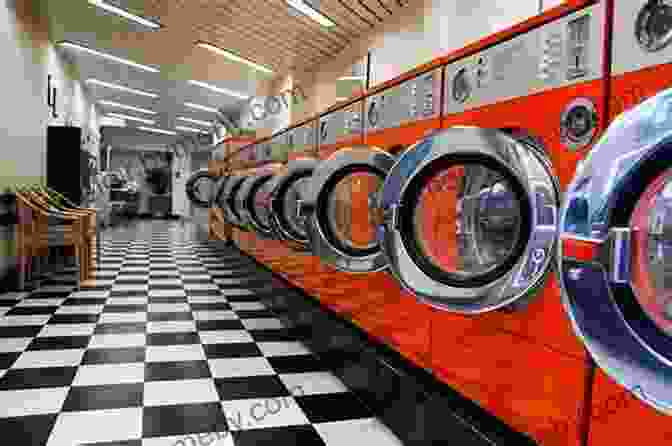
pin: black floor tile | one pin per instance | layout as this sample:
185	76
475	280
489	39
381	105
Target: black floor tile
32	430
131	280
37	378
59	342
128	293
100	397
215	306
252	314
291	435
231	350
30	311
24	331
172	338
134	308
332	407
276	335
297	364
7	359
73	319
179	370
85	301
114	355
250	387
225	324
170	316
167	299
183	420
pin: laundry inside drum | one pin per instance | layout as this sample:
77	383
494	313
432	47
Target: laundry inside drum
349	210
467	220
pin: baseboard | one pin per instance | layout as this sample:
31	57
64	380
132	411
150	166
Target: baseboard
411	401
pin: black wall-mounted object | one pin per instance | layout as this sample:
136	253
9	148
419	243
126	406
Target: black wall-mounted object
51	97
67	163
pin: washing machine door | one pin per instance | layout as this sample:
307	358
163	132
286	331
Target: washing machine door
340	205
245	197
200	188
615	260
228	197
290	190
470	219
257	205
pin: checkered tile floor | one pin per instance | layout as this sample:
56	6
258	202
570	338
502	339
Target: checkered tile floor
169	345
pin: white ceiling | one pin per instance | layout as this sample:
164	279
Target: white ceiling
267	31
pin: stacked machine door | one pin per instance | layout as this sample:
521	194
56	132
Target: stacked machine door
615	236
201	188
227	201
302	140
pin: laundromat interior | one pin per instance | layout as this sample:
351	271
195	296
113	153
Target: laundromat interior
336	222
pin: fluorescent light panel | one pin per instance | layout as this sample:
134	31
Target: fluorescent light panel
233	57
126	107
127	15
194	121
189	129
311	12
155	130
220	90
200	107
122	88
351	78
131	118
109	57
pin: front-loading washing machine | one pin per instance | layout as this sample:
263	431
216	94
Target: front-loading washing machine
614	260
254	201
471	216
226	199
339	128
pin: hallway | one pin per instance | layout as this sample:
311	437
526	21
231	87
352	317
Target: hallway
171	340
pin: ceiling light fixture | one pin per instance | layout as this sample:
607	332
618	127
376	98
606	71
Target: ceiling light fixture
108	56
189	129
127	15
233	57
200	107
351	78
126	107
122	88
155	130
220	90
131	118
194	121
311	12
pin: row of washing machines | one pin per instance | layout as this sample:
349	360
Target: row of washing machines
548	169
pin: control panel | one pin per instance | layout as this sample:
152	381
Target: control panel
412	100
563	52
263	151
303	138
343	123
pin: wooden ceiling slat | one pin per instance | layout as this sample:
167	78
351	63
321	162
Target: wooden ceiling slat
356	13
370	10
287	25
334	10
385	7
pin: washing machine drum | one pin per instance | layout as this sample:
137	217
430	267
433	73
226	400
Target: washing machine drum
255	204
287	202
200	188
615	256
226	200
469	219
341	205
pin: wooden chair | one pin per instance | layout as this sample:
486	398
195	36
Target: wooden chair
42	227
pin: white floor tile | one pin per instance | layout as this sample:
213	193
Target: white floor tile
80	309
117	318
118	340
130	300
200	286
283	348
49	358
15	321
122	288
168	293
174	282
187	391
56	289
169	308
214	315
247	306
20	403
313	383
206	299
362	431
240	367
260	413
225	336
91	293
100	374
75	428
212	439
171	326
262	323
49	302
11	345
67	330
167	353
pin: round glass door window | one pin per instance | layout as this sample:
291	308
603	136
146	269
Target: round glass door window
343	202
470	218
200	188
615	259
257	214
229	196
484	212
